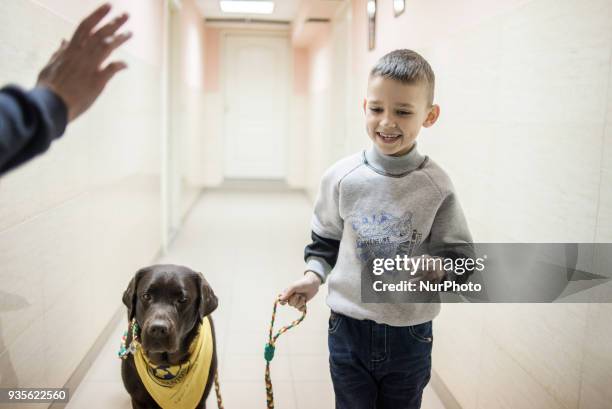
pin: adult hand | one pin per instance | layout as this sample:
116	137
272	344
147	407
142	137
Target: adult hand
74	72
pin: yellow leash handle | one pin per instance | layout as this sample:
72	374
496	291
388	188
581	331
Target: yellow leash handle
270	346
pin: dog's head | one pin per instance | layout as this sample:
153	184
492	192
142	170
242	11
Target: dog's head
167	301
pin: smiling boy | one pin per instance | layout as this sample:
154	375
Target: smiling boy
387	201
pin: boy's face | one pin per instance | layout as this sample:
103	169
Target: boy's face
395	113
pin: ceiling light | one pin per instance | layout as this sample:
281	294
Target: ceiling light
247	7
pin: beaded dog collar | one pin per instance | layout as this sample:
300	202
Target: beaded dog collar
124	350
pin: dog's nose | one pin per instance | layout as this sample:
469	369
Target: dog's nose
158	329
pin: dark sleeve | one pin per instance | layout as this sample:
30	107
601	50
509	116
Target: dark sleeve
29	122
321	255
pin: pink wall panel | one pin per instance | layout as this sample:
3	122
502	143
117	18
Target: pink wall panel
192	40
212	61
300	71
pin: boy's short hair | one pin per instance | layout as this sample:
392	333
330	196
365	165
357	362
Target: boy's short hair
407	67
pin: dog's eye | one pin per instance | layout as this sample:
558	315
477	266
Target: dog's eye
146	297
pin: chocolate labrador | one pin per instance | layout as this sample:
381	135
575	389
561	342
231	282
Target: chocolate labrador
169	303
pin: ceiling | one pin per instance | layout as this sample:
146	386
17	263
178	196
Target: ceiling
284	10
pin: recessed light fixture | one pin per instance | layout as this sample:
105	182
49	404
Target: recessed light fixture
247	6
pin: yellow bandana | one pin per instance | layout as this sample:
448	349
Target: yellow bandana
179	386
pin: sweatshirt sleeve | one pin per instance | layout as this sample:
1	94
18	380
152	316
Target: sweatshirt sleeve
29	122
327	226
321	255
450	236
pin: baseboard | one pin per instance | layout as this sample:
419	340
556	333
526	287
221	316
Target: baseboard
446	396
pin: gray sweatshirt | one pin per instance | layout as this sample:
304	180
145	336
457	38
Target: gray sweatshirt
371	205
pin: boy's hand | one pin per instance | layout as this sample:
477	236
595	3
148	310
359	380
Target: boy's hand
302	291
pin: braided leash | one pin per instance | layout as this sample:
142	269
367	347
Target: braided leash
218	391
269	350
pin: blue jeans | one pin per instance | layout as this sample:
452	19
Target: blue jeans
376	365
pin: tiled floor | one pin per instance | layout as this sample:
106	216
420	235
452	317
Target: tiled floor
249	247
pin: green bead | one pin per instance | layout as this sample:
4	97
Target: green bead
269	352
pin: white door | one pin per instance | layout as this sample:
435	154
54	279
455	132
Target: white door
256	99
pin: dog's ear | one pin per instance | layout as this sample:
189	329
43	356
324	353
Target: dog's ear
130	296
208	299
